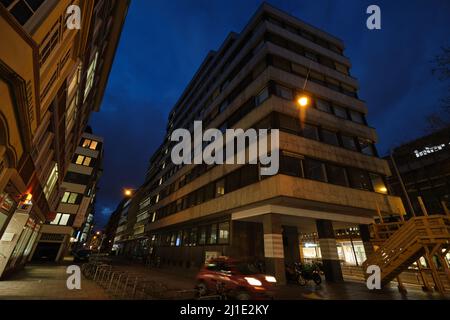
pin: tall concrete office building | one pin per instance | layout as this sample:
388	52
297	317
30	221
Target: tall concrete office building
51	78
330	175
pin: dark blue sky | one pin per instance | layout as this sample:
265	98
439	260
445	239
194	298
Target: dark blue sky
164	42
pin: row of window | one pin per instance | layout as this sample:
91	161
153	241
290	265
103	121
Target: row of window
306	35
332	137
84	160
298	166
318	170
90	144
242	177
211	234
61	219
314	76
71	198
307	53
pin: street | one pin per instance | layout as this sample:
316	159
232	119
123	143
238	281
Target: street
48	282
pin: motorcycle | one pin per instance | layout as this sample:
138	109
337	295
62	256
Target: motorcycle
305	273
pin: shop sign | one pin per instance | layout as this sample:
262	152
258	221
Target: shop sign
429	150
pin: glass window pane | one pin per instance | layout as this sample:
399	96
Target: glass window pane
56	220
366	147
310	132
284	92
73	198
349	142
224	232
340	112
87	161
323	105
220	188
212	234
314	170
80	160
378	183
262	96
290	166
289	123
357	117
21	12
64	219
359	179
336	175
86	143
330	137
94	145
202	238
65	197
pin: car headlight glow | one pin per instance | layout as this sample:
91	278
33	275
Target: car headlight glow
253	282
271	279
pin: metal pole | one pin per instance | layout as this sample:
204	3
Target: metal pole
402	184
354	252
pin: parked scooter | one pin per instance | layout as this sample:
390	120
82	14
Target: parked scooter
307	272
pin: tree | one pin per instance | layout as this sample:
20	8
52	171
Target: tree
441	119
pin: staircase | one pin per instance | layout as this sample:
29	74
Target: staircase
406	242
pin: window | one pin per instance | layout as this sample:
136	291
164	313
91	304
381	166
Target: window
224	232
282	64
312	56
262	96
284	92
357	117
310	132
314	170
317	77
299	70
336	175
349	142
366	147
249	175
358	179
289	124
22	10
91	144
212	239
69	197
90	76
232	181
348	90
341	68
202	237
340	112
330	137
61	219
51	181
290	166
378	183
83	160
333	84
323	105
220	188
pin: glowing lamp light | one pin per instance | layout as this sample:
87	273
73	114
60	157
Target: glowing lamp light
128	192
382	190
303	101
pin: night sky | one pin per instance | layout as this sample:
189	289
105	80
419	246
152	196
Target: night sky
164	42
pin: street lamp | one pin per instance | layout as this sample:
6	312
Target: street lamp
303	101
128	192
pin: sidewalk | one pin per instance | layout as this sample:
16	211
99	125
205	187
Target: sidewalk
47	282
